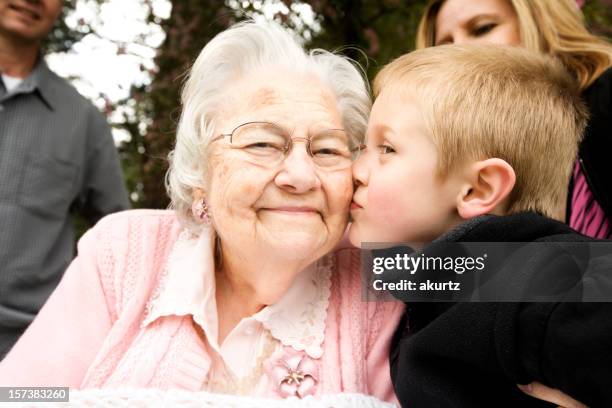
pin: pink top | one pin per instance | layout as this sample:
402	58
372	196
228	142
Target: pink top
121	318
587	217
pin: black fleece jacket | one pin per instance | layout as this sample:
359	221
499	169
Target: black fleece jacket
474	354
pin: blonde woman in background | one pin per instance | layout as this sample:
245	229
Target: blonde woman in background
554	27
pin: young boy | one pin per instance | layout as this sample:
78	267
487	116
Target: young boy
476	144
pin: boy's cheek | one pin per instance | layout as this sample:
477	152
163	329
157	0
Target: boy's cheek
383	206
373	225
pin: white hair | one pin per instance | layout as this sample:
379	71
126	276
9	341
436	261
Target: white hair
236	52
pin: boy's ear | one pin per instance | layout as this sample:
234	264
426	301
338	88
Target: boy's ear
489	183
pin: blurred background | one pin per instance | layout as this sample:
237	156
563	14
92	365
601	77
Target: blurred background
130	56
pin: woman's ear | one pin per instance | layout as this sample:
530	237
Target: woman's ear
490	182
198	194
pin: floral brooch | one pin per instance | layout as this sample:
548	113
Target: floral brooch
293	372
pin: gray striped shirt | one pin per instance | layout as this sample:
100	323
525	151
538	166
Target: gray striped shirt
56	155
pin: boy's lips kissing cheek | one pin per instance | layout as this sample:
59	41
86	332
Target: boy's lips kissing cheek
355	205
358	200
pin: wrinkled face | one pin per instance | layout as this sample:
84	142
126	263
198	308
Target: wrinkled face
29	20
292	209
477	22
398	197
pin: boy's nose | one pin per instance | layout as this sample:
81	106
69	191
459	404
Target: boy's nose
361	171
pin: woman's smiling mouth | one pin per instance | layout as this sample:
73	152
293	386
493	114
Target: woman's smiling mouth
293	210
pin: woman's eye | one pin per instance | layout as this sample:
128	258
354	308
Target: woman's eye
385	149
326	152
263	146
484	29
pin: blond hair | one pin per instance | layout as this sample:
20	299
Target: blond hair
554	27
487	101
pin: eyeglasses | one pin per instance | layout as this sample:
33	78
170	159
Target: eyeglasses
268	144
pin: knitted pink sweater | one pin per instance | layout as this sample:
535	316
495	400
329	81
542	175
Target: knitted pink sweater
89	334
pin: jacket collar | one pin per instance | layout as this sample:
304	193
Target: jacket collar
40	81
523	226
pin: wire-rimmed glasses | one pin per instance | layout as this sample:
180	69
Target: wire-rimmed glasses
268	144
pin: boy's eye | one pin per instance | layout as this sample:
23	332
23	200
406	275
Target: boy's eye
483	29
385	149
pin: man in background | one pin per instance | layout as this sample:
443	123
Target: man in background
56	156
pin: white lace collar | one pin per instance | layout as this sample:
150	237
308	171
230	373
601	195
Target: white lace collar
187	287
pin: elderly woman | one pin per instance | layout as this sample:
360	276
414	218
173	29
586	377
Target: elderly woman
236	290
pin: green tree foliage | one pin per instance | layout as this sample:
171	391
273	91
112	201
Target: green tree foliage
62	38
191	25
598	16
371	32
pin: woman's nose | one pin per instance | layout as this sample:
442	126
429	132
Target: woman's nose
298	173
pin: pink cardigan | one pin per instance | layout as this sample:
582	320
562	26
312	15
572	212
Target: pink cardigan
89	334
